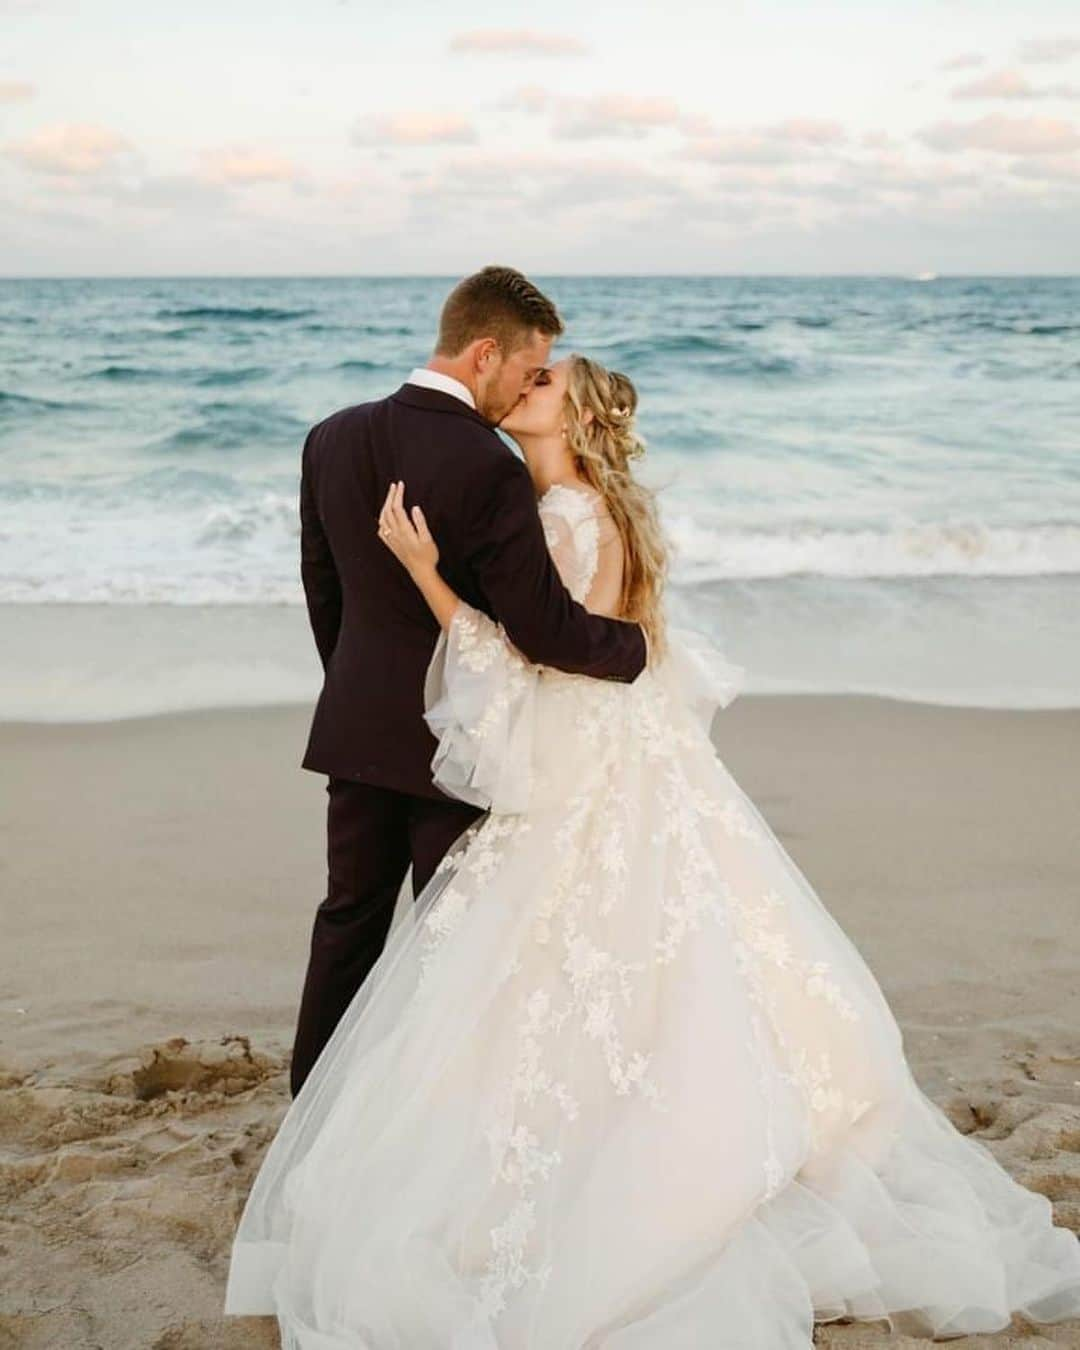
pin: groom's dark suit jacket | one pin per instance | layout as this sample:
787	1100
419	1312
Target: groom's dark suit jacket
374	632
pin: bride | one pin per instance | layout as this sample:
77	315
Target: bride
618	1080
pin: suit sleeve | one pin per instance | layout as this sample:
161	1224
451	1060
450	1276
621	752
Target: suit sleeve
322	585
508	555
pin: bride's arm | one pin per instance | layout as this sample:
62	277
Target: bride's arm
411	543
478	690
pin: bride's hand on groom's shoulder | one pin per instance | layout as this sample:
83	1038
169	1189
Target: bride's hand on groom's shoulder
406	534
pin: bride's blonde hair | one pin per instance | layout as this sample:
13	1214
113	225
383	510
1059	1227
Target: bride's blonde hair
603	447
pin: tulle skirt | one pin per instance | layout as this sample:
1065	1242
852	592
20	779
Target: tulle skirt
620	1082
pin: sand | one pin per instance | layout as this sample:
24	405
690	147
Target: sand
159	877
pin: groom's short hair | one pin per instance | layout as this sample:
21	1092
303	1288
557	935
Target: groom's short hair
496	302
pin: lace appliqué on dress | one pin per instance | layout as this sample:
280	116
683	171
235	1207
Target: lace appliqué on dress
598	986
572	531
586	994
763	939
473	863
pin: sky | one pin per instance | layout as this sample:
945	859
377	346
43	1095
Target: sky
406	136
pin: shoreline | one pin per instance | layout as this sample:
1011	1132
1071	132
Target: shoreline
306	706
1016	650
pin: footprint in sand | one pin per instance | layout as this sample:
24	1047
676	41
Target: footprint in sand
127	1182
1037	1141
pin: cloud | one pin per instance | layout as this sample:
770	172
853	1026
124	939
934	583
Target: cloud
823	183
415	128
807	131
597	116
170	192
14	91
517	42
530	98
1053	168
891	171
1004	135
1049	51
69	149
999	84
1010	84
964	61
240	166
696	124
613	115
539	182
778	143
739	147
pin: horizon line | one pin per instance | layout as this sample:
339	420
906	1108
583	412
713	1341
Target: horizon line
444	276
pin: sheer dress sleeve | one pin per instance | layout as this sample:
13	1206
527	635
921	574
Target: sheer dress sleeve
480	691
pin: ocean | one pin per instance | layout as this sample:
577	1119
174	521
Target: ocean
872	485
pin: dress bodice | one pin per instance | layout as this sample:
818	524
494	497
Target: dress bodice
572	531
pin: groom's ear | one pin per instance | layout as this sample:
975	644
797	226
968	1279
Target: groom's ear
486	352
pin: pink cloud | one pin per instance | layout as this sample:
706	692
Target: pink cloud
596	116
1053	168
415	128
1004	135
964	61
696	124
807	131
517	42
999	84
614	115
779	143
1008	84
1049	51
14	91
342	188
739	147
548	178
530	98
892	171
69	149
241	166
600	116
168	192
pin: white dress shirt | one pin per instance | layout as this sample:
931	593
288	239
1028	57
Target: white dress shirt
446	384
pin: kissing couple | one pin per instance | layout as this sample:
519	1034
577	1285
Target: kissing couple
582	1062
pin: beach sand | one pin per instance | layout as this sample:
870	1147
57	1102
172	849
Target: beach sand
159	879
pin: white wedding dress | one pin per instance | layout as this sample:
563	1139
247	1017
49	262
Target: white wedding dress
618	1080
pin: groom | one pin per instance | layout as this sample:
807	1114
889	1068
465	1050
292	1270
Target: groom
375	635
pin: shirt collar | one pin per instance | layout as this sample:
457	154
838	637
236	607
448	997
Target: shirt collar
446	384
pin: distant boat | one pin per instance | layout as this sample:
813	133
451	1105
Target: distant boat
925	276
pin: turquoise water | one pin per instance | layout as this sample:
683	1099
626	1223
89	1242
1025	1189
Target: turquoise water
871	483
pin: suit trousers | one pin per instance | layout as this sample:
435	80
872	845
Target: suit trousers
373	834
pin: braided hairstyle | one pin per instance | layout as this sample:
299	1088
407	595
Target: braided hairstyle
604	444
